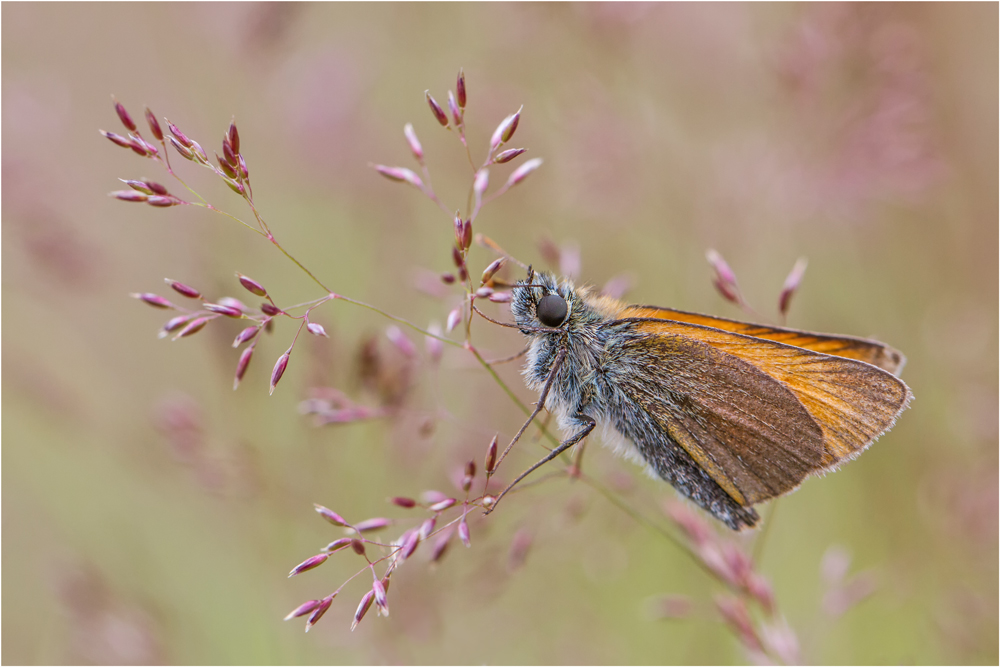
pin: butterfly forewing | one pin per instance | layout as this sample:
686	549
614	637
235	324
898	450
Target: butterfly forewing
862	349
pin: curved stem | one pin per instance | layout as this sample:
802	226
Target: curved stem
502	190
297	262
407	323
428	189
468	153
166	164
208	206
308	303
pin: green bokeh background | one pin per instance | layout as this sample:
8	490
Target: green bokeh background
862	137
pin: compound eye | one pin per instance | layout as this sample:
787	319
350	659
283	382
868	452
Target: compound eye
551	310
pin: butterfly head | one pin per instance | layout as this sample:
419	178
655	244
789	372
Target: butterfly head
541	304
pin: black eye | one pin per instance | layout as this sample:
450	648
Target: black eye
551	310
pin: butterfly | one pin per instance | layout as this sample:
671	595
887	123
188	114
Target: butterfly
731	414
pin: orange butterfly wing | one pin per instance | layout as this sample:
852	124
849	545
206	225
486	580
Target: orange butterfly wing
850	347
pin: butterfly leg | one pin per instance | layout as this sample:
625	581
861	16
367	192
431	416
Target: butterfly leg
513	357
589	425
538	406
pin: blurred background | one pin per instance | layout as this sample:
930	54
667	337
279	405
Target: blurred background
150	513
